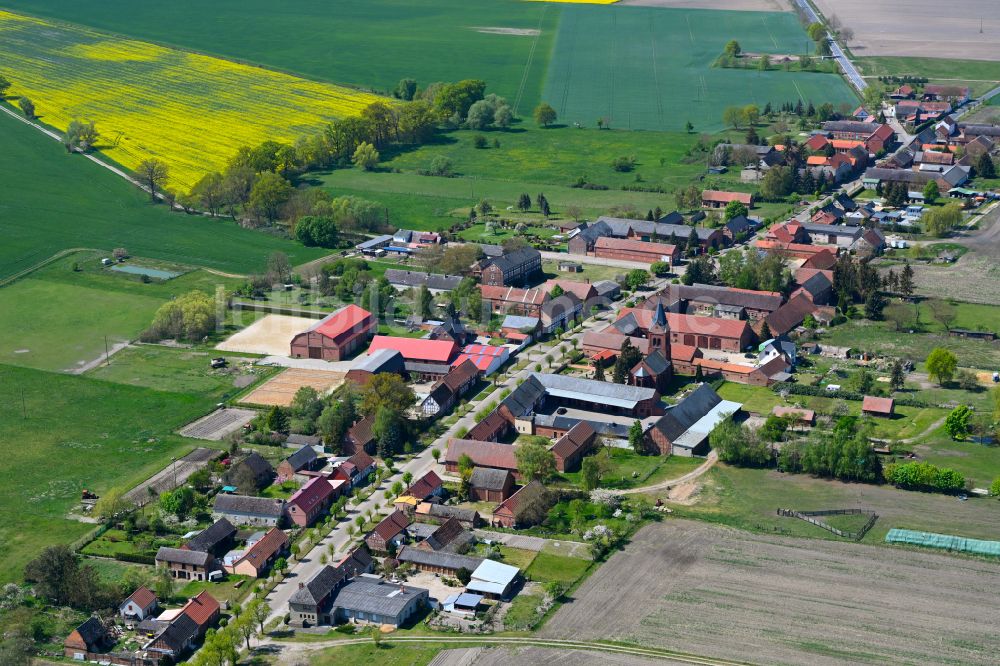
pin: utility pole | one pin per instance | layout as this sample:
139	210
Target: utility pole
107	354
173	459
24	406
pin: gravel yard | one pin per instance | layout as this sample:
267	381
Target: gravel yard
720	592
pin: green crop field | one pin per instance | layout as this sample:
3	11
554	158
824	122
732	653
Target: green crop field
980	75
51	201
61	434
650	68
370	44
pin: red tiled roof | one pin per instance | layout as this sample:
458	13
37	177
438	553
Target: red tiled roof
878	405
513	295
425	486
715	364
794	412
681	323
726	197
143	597
816	141
263	550
804	273
201	608
628	244
683	353
361	460
768	244
824	260
582	290
846	144
882	132
525	494
579	436
817	160
790	315
315	490
391	525
483	454
347	319
413	349
460	373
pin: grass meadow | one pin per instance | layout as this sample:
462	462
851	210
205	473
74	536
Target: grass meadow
51	201
62	434
980	75
189	110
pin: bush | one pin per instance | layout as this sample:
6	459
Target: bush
924	476
623	163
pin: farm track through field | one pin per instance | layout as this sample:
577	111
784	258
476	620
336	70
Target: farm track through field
527	65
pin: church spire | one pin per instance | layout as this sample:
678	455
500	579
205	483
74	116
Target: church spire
660	317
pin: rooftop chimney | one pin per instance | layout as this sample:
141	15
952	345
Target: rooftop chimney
301	585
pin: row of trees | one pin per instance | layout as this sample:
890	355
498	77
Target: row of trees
190	316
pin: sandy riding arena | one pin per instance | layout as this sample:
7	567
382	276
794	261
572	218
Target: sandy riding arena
269	335
281	389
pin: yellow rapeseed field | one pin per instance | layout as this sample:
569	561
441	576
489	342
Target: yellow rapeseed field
581	2
189	110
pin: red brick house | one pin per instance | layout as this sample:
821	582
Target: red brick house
391	530
512	268
203	610
185	564
528	506
359	437
303	459
310	502
258	558
573	446
490	485
87	640
511	300
635	250
483	454
336	336
427	485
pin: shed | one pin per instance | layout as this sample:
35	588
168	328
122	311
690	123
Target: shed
880	407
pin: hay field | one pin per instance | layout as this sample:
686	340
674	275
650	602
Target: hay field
280	390
651	68
191	111
270	335
920	28
724	593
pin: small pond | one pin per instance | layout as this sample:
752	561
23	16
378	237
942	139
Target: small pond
143	270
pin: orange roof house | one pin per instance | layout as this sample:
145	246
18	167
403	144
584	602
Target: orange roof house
719	199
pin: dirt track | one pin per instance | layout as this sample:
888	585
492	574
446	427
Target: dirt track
530	656
734	5
724	593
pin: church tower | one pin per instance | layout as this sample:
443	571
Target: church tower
659	332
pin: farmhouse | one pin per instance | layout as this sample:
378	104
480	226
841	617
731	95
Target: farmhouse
303	459
260	554
483	454
428	485
561	312
437	561
570	449
791	314
684	429
214	539
490	485
185	564
719	199
359	438
880	407
585	291
377	362
336	336
876	137
310	501
512	268
635	250
703	300
247	510
449	537
449	389
391	531
139	605
312	602
511	300
527	506
87	640
355	471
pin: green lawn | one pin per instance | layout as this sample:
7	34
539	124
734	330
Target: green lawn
114	542
225	590
517	557
980	75
51	201
548	567
592	272
651	68
980	464
62	434
388	654
647	469
170	369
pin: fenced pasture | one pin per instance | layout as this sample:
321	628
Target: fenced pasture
724	593
371	44
824	518
53	201
651	68
189	110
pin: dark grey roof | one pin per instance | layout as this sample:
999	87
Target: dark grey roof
488	478
209	538
305	440
491	250
381	360
442	511
258	465
595	230
620	227
92	631
739	224
831	229
181	556
656	362
627	325
396	276
438	559
606	287
817	284
845	202
430	368
319	587
301	458
178	633
523	399
710	293
374	242
513	259
686	413
850	126
972	129
591	390
560	305
253	506
378	597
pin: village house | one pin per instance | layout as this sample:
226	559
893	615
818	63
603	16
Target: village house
337	336
312	603
215	539
528	506
303	459
185	564
140	604
259	554
428	485
719	199
511	300
876	137
259	470
798	416
248	510
570	449
482	453
490	485
562	312
355	471
310	501
375	363
518	267
360	438
448	390
87	641
390	532
449	537
435	282
585	291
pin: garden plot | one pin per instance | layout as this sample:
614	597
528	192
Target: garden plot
270	335
720	592
218	424
281	389
174	474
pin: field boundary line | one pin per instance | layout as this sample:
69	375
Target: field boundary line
531	57
656	75
10	279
